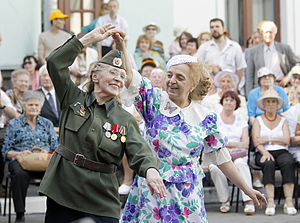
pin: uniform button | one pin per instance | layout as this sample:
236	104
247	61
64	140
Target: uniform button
93	130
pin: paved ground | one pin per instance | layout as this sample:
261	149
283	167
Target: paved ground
214	216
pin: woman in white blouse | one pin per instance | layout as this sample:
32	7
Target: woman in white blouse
271	137
225	80
236	129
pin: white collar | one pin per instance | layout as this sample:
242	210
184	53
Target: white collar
167	107
52	91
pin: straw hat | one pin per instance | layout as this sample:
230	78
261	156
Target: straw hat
151	24
223	73
295	70
271	93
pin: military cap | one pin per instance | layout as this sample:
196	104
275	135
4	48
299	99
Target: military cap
113	58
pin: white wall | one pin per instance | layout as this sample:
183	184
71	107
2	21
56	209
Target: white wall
194	15
138	13
290	33
20	27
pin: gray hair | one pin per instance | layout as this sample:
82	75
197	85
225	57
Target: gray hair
268	25
33	95
17	72
43	69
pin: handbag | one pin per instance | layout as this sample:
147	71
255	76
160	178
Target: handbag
237	153
38	160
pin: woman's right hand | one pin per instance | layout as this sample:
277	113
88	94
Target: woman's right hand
266	156
98	34
155	183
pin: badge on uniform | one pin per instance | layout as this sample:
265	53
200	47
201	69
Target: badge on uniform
107	128
114	131
123	134
82	111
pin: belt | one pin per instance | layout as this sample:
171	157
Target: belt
81	161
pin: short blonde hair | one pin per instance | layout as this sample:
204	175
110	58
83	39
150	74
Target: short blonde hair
144	37
17	72
201	77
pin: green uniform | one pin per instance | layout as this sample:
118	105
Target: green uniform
81	131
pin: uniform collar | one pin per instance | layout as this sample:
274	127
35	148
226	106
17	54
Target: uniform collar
109	105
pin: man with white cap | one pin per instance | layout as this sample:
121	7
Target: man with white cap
54	37
266	79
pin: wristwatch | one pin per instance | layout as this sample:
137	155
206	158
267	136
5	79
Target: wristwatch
270	141
4	106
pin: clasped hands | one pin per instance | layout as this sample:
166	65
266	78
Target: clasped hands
103	32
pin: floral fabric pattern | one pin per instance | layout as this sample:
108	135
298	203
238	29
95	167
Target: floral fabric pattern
178	145
20	136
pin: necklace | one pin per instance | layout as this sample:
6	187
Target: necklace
271	120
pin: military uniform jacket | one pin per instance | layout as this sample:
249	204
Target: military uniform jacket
81	130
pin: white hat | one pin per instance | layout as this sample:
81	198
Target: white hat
181	59
271	93
264	71
295	70
223	73
151	24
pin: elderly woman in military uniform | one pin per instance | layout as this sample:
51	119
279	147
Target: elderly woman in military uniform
94	134
178	129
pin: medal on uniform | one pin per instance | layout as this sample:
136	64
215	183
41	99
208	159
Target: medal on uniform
123	134
82	110
107	127
114	130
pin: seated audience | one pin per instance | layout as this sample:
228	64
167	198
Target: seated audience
192	46
271	138
293	118
225	80
22	134
212	69
148	65
20	81
236	129
157	78
31	64
80	66
183	38
151	30
294	75
266	79
203	37
144	45
51	107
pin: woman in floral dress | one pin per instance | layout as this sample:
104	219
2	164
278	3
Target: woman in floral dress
178	129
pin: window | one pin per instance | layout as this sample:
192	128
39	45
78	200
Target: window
81	12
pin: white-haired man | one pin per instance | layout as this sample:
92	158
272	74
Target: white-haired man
278	57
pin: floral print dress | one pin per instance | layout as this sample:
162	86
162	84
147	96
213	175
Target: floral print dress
177	137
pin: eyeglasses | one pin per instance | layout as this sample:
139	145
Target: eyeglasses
153	29
27	62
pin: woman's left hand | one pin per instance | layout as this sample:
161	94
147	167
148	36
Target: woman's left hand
257	197
155	183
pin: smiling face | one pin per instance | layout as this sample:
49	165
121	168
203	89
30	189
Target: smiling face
179	83
146	71
29	65
46	81
156	79
144	45
183	41
58	23
32	107
21	84
226	83
151	31
270	104
108	80
191	48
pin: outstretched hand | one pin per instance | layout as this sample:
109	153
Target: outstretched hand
97	34
257	198
155	183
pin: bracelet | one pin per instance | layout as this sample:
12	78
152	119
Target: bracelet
270	141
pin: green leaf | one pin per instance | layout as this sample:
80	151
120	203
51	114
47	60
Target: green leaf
182	160
175	129
192	145
175	161
163	135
